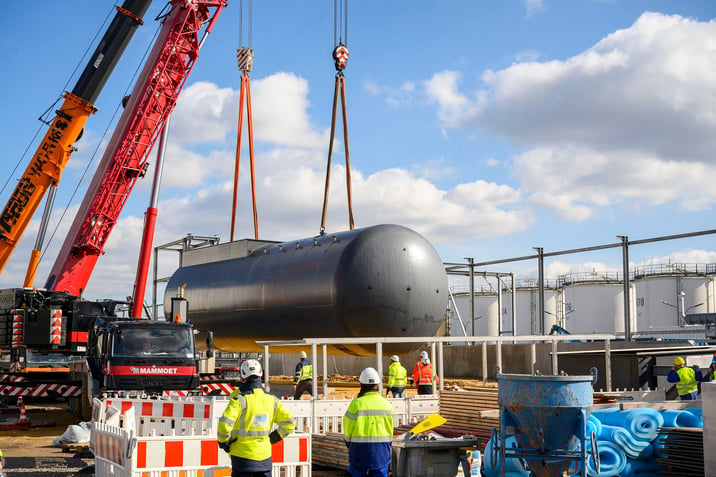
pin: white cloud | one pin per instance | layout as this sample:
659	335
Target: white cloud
533	6
404	95
207	113
629	121
574	181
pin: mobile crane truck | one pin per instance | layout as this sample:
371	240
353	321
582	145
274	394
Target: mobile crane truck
55	326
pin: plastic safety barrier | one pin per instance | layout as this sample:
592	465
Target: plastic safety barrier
155	438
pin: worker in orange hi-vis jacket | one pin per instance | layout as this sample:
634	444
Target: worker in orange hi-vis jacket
423	374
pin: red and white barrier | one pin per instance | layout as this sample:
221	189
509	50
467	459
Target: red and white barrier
147	438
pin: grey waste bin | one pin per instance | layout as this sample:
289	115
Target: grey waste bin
431	458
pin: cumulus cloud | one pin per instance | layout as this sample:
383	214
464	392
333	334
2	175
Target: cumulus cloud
403	95
629	121
207	113
573	181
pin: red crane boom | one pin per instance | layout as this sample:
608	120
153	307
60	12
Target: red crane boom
125	160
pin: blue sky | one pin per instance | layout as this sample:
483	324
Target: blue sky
489	127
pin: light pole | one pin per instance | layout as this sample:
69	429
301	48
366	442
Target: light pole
540	278
471	263
625	272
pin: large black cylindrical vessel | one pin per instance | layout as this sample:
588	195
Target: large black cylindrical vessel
385	280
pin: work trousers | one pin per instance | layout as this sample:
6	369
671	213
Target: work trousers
305	386
425	389
368	473
396	391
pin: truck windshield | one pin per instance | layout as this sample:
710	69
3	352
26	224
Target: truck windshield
154	341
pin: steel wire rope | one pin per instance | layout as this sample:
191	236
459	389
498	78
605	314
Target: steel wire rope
46	122
104	135
250	22
244	55
340	56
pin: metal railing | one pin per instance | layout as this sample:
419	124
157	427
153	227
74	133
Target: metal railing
437	344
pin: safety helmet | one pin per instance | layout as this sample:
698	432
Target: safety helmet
251	367
395	358
302	355
679	361
423	354
369	376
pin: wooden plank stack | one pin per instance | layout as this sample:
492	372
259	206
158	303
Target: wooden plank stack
474	411
684	451
329	450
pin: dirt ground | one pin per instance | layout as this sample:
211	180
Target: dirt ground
30	451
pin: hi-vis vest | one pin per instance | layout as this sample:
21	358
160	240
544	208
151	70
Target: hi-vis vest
687	381
368	419
397	375
305	373
424	374
248	419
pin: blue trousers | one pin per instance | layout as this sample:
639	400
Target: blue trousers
368	473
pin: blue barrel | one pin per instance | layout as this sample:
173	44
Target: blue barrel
547	416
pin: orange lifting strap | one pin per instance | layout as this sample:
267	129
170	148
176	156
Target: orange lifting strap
340	56
245	57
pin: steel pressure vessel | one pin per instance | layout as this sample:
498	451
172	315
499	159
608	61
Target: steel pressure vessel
379	281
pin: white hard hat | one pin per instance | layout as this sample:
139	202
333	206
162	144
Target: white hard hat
369	376
394	358
423	354
302	355
251	367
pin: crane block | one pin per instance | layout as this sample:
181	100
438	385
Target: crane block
340	56
245	56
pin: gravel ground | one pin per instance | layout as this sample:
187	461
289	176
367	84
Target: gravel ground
30	452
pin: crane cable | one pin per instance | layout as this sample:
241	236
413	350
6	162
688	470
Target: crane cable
245	57
340	57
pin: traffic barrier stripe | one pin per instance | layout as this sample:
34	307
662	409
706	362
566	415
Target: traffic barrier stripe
163	408
154	453
290	450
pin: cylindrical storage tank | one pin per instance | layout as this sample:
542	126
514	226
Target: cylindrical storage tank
594	307
380	281
486	314
651	291
527	304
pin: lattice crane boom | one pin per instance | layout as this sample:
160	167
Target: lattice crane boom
154	96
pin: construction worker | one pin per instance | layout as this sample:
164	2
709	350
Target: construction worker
368	429
303	379
686	379
423	374
397	376
244	430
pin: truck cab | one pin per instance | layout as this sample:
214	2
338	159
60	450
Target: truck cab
142	355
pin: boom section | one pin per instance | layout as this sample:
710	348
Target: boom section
125	160
48	162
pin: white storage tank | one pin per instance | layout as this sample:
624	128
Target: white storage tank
665	293
594	307
486	314
527	304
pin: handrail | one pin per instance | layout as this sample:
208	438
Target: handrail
439	342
